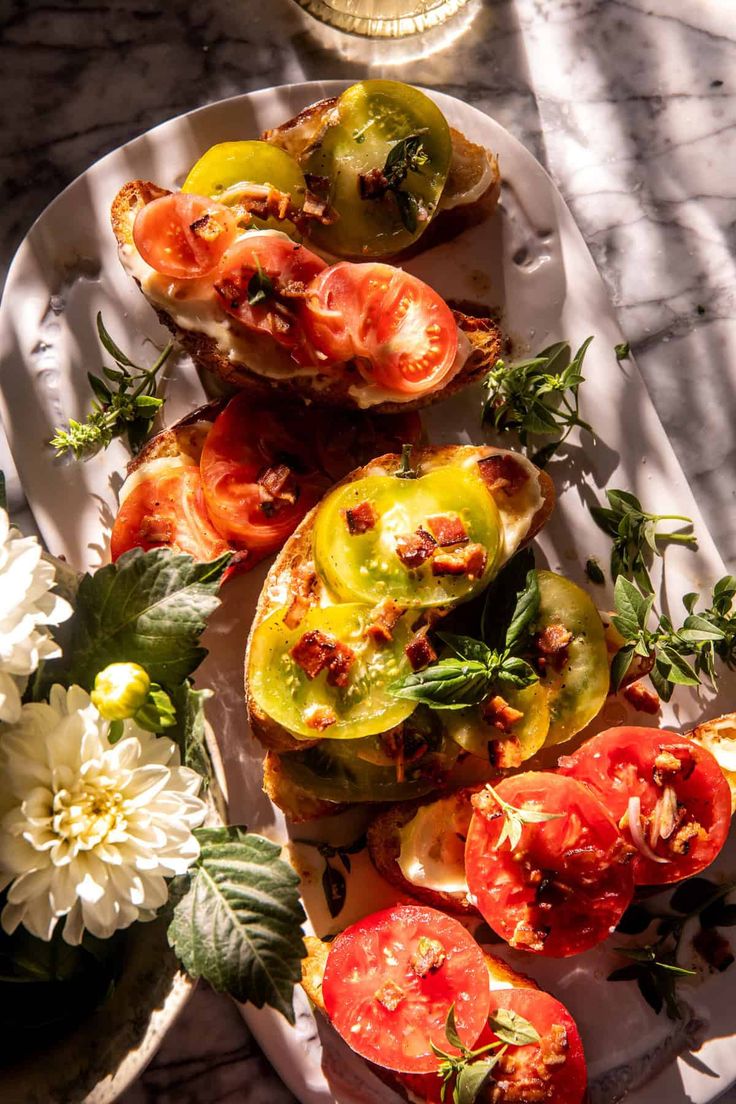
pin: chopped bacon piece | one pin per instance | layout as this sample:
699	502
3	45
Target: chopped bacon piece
278	486
496	711
372	184
503	472
384	619
642	698
419	651
429	955
553	1047
667	764
390	995
317	200
682	839
485	803
313	652
505	754
156	527
470	560
447	529
361	518
302	585
553	641
528	936
319	717
207	228
264	201
338	667
416	548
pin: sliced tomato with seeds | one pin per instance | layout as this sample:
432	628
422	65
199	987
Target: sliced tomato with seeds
400	332
259	474
552	1070
261	282
184	236
391	979
667	793
566	884
166	509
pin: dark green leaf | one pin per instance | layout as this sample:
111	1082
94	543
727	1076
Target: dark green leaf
635	920
449	684
681	672
625	973
107	343
650	989
451	1030
512	1028
466	647
620	664
629	605
696	629
719	915
525	613
408	210
189	734
238	925
543	455
472	1078
407	155
150	606
260	287
99	389
622	351
502	596
517	672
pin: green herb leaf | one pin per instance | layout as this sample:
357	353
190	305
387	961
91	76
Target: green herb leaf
635	535
238	925
472	1078
525	613
150	606
515	819
405	470
157	712
449	684
407	155
512	1028
622	351
620	665
189	734
451	1030
260	286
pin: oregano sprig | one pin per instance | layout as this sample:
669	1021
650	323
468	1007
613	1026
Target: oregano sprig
636	535
537	397
125	403
471	1069
514	820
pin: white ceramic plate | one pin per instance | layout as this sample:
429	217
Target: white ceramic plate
529	260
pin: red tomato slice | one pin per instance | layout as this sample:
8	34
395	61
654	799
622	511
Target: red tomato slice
282	270
523	1073
566	885
400	332
391	979
184	235
167	511
682	796
259	474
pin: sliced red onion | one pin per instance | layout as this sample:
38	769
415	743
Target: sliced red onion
637	833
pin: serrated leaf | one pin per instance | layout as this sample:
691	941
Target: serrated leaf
512	1028
189	733
150	607
238	925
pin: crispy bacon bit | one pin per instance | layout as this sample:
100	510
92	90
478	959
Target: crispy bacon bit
447	529
416	548
553	1047
496	711
503	472
390	995
361	518
683	838
470	561
319	717
313	652
485	803
317	201
338	668
642	698
666	764
505	754
372	185
207	228
264	201
278	486
155	528
714	948
419	651
528	936
553	641
429	955
384	619
303	583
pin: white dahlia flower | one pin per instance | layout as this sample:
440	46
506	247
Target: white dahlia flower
90	830
27	606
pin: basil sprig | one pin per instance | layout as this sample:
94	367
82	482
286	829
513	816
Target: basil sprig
470	675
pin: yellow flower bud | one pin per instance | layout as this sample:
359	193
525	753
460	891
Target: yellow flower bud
120	690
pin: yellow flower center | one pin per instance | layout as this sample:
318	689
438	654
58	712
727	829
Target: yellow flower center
87	813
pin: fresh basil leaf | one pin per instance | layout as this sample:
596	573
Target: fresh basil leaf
512	1028
238	925
525	613
719	915
681	672
696	629
516	671
634	921
630	604
472	1078
625	973
148	606
449	684
466	647
260	287
451	1030
100	390
408	210
502	597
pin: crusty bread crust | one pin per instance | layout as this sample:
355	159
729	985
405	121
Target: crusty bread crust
333	390
296	556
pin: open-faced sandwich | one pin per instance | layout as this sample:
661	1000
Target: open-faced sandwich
436	1018
224	264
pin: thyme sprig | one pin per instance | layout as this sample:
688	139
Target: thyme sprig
537	397
514	820
125	403
635	535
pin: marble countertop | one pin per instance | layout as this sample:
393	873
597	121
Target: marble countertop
629	104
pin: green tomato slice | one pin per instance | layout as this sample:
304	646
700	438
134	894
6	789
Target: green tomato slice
373	117
579	688
336	770
366	567
467	727
361	708
225	169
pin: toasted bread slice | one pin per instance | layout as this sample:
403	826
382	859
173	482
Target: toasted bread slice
718	736
294	564
313	968
219	344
